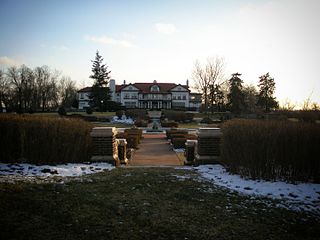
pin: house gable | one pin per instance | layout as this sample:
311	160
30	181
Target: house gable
180	88
130	87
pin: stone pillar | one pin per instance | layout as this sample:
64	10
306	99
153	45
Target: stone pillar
208	147
105	145
190	152
122	150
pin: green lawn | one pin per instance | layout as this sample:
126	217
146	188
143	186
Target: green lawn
143	203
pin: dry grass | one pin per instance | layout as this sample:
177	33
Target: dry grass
272	149
37	139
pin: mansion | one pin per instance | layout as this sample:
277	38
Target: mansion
152	95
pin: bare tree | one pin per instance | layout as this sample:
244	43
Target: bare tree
210	74
4	89
17	82
67	91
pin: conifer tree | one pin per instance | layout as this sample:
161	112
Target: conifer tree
266	100
100	94
236	96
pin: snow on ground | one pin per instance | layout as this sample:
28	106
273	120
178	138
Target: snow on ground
123	120
302	196
63	170
179	150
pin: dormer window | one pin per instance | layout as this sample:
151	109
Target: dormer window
155	88
130	88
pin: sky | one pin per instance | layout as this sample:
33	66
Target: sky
142	41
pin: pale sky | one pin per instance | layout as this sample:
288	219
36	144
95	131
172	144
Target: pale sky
142	41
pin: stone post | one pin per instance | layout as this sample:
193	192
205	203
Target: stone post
208	147
105	145
190	152
122	151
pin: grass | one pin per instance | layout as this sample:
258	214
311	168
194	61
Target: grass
143	203
35	139
272	149
193	125
98	114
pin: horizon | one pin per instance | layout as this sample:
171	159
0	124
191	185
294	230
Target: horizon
143	41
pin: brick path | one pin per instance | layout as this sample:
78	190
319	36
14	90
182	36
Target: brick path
155	150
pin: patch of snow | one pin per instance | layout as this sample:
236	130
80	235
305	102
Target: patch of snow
63	170
302	196
179	150
123	120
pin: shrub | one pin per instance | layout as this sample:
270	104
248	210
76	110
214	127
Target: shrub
189	117
62	111
169	124
179	142
44	139
177	116
172	132
141	123
206	120
119	113
272	149
89	110
130	114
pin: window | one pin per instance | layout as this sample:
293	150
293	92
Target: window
179	97
155	88
130	104
178	104
184	97
130	88
81	96
126	96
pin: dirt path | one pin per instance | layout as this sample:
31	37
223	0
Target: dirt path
155	150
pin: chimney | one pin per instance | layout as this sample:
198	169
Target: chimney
187	83
112	88
124	82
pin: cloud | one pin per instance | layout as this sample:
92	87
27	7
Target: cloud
165	28
8	61
110	41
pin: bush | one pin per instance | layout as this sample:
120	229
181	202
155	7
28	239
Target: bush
177	116
206	120
44	139
179	142
171	132
119	113
169	124
141	123
89	110
131	114
62	111
272	149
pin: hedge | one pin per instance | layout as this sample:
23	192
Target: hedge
272	149
35	139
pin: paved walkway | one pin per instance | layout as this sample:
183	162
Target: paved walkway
155	150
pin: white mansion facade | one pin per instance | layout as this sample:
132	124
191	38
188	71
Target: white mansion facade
151	95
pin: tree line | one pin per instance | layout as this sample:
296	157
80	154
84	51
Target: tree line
23	89
222	94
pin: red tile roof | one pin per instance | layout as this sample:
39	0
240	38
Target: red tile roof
145	87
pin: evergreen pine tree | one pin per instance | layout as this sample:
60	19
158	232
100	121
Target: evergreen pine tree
266	100
100	94
236	96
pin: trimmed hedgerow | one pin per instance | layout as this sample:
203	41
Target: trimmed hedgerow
272	149
35	139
